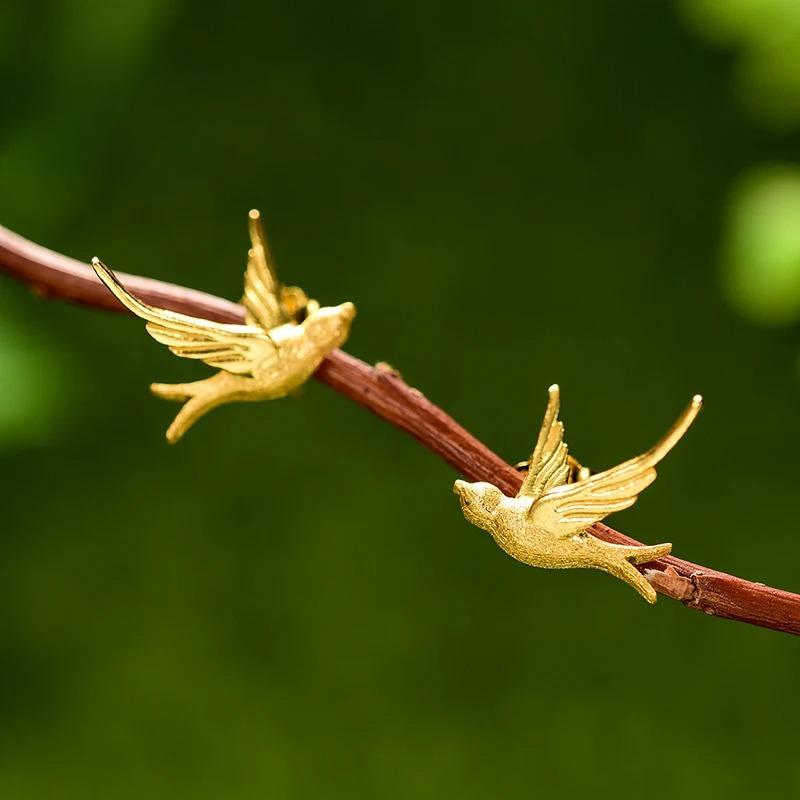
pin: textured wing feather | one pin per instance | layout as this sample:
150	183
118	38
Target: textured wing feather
234	348
569	509
262	289
548	466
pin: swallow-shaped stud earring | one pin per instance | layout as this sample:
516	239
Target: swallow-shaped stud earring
284	340
546	524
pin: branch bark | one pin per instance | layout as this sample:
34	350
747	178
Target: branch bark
382	391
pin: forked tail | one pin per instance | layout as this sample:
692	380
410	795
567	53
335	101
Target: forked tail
199	397
641	555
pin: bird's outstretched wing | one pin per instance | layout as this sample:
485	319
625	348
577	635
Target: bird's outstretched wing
569	509
262	289
267	303
548	466
234	348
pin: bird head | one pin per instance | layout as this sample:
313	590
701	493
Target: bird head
478	501
329	326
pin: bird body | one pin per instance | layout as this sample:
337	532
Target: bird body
284	341
296	357
546	524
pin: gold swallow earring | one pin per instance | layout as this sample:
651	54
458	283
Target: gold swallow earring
546	524
284	340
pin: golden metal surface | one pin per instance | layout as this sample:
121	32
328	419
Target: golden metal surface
284	341
577	472
545	525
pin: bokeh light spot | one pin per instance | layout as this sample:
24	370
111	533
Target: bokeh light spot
761	265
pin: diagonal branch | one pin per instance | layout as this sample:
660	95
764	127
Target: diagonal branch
382	391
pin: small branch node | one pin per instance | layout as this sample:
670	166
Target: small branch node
671	583
385	369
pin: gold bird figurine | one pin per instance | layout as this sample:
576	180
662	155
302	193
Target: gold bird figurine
284	340
545	525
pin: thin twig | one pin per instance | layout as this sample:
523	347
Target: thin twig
381	390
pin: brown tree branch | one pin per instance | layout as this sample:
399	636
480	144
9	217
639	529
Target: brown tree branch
382	391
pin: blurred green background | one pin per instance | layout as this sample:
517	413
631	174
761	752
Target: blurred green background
288	603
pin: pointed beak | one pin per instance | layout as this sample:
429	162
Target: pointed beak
348	311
